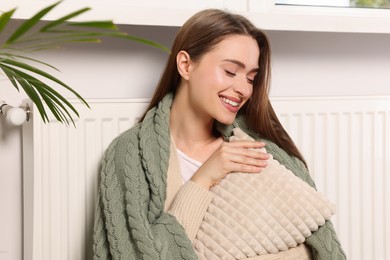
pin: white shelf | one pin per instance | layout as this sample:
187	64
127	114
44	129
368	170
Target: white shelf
139	12
263	13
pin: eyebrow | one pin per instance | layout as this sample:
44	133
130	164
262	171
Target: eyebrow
241	65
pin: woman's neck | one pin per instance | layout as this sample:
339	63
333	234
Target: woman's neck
191	133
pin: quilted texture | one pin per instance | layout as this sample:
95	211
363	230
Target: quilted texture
257	214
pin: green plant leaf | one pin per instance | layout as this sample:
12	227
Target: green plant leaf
31	93
68	36
57	107
44	88
52	45
28	24
43	74
14	56
143	41
62	20
4	19
11	78
54	108
95	24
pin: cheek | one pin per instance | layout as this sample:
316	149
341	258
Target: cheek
213	79
250	91
218	76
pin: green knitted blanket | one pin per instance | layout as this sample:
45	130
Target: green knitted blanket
130	222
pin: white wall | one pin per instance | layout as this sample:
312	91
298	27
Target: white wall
304	64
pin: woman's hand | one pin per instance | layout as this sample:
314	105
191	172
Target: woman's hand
236	156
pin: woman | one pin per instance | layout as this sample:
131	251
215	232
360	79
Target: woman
156	177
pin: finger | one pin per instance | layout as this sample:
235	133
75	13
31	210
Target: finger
245	168
255	154
246	144
250	161
247	152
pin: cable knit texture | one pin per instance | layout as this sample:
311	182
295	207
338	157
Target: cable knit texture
130	222
264	213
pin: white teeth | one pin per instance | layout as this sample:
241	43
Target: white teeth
228	101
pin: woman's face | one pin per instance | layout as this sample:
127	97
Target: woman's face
222	80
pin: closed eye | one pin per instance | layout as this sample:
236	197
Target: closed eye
229	73
252	79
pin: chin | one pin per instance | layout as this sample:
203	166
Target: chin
226	121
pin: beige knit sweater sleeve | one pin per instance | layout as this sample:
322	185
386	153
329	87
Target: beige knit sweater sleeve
188	203
190	206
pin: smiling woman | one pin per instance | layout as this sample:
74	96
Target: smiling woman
157	178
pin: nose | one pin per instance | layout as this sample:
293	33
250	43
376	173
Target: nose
243	87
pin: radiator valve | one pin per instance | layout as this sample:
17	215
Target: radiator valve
14	115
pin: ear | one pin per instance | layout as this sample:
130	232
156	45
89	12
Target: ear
183	62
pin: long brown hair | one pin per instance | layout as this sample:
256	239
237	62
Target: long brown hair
202	32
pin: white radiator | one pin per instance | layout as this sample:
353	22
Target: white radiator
346	142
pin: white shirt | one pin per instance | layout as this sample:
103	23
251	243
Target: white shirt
188	166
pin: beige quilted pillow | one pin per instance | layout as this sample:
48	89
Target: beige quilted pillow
256	214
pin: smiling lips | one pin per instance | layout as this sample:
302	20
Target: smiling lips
231	105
